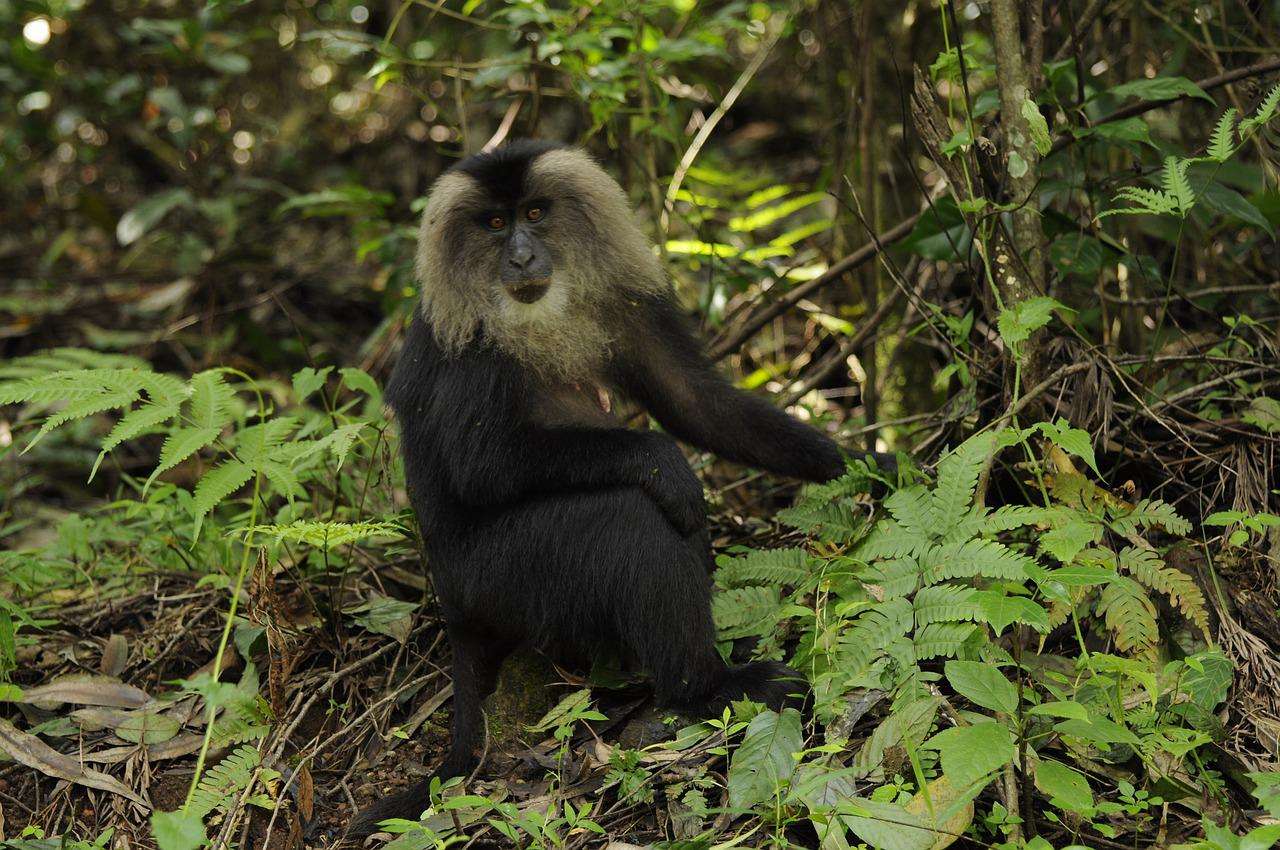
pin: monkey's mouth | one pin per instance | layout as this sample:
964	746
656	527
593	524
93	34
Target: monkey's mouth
528	291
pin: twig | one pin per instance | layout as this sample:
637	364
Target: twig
704	132
794	296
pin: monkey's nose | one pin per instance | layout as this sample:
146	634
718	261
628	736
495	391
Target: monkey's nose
520	256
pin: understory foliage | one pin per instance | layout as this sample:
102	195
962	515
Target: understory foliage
1043	266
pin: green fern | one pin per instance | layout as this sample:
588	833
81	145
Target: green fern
944	602
957	477
1149	569
224	782
767	566
325	535
1129	615
1222	143
746	611
1267	110
1148	514
976	558
1176	199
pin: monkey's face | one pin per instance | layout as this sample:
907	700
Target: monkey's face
517	238
537	245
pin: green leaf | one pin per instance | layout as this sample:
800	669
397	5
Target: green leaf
1018	321
385	616
1065	710
1160	88
307	380
1077	254
1097	730
764	760
1222	143
1128	130
1228	202
1263	412
147	214
181	444
1001	610
887	826
970	753
147	727
1039	128
1067	789
983	684
1071	440
180	830
217	484
1081	575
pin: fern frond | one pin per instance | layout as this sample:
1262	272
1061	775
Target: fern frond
910	507
939	640
945	602
974	559
211	401
872	633
181	444
957	477
1149	568
890	540
1009	517
1222	143
1147	514
70	386
1266	111
215	485
1059	613
223	782
86	407
1176	185
1129	614
257	443
896	577
970	525
328	535
766	566
835	522
746	611
65	360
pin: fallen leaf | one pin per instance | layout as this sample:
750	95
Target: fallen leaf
29	750
88	690
115	655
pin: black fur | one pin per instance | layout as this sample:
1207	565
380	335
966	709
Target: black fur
502	171
572	536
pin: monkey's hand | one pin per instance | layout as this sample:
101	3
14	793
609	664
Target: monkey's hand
667	478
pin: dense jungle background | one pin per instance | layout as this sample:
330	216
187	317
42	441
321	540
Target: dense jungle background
1029	245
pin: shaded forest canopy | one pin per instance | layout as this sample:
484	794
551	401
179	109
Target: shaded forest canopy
1029	245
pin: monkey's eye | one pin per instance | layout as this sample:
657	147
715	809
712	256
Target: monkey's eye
534	213
496	222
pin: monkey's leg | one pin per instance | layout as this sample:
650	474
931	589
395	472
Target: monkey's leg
476	661
662	608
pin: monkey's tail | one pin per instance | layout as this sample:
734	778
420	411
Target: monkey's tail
769	682
408	804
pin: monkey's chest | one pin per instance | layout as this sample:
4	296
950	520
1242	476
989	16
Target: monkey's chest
585	404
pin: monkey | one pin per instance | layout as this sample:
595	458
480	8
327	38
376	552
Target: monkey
546	521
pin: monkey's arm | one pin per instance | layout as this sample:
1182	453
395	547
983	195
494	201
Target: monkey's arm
460	421
660	363
557	460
